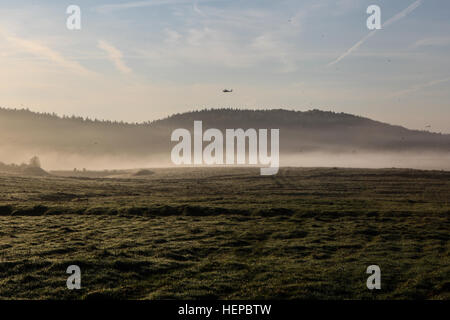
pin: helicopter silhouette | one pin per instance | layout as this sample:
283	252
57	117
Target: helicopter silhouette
227	91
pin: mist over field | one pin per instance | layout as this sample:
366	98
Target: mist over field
60	161
307	139
414	160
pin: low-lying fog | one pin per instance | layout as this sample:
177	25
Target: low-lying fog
56	161
424	161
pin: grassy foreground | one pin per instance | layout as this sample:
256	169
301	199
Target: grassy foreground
227	233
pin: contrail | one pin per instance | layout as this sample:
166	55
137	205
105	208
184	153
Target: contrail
403	14
392	20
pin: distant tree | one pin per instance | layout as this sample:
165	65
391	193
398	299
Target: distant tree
35	162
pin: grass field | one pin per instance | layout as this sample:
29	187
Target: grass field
227	233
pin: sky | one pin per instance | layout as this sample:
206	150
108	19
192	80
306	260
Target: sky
147	59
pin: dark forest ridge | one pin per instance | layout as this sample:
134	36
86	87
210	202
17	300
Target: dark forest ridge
289	117
25	133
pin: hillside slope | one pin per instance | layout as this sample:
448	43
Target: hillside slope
26	133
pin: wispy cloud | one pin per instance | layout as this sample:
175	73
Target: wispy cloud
197	9
419	87
114	55
40	50
392	20
231	37
140	4
432	42
345	6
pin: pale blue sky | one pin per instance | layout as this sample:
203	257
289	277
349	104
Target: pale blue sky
142	60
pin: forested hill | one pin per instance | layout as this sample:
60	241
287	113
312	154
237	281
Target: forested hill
299	132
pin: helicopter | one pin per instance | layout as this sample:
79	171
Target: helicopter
227	91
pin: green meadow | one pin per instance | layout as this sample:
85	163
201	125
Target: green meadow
226	233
